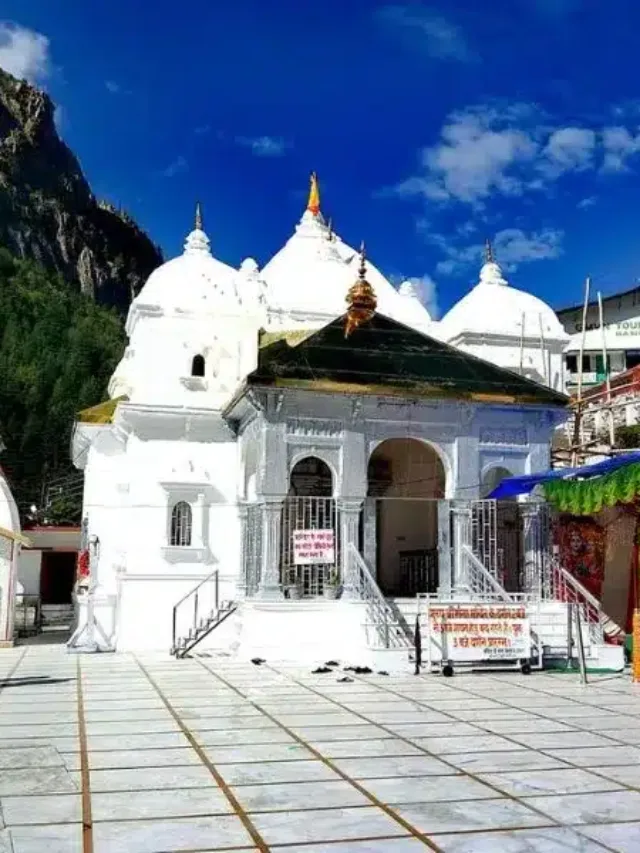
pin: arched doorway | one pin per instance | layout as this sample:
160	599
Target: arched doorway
309	513
406	479
311	477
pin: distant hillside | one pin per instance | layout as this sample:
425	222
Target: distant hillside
57	352
49	214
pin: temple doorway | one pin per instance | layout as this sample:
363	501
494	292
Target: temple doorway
309	510
405	481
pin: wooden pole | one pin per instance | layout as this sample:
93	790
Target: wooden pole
543	354
578	414
612	434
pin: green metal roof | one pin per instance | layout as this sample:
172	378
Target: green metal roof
386	357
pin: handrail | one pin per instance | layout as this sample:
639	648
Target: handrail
364	568
485	574
195	589
212	606
575	583
367	589
593	615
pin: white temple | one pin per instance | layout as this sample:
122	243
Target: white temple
288	452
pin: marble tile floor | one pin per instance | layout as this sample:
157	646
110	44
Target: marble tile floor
153	755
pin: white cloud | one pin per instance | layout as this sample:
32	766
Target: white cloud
112	87
24	53
587	202
178	166
264	146
512	247
480	153
619	146
440	38
485	152
569	149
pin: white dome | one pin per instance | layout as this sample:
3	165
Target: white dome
308	275
194	282
495	308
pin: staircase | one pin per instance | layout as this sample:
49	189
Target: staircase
568	589
386	626
197	614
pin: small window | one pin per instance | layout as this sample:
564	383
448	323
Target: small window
181	524
572	363
197	365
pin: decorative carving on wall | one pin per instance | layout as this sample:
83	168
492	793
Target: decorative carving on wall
314	428
500	435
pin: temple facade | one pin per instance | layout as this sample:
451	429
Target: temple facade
292	449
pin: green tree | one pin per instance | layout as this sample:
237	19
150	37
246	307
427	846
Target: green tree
57	352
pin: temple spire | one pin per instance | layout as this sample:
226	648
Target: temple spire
361	299
198	222
313	204
488	252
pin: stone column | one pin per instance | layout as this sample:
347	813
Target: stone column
241	583
270	586
369	533
445	572
349	529
461	518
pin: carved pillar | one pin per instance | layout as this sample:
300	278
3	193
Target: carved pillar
445	578
270	586
461	528
349	529
369	534
242	585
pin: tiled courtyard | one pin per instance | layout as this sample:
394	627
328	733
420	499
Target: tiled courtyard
118	754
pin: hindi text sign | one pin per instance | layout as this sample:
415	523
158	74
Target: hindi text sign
313	547
481	632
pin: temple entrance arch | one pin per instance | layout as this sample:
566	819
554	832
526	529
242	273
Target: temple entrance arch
405	480
311	477
309	508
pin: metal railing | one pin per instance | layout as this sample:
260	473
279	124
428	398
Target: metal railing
195	610
566	588
478	581
359	583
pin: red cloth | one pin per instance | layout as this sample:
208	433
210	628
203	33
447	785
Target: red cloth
83	564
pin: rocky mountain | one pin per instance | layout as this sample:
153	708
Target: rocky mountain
48	212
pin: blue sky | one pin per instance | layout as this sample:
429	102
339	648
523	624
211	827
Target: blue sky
431	125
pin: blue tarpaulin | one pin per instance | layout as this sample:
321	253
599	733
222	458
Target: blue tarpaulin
510	487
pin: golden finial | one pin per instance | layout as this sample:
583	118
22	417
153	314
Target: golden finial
488	252
361	299
313	205
198	217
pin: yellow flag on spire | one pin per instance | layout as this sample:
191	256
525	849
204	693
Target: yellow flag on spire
313	205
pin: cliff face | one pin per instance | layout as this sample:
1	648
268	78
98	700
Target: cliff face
48	212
